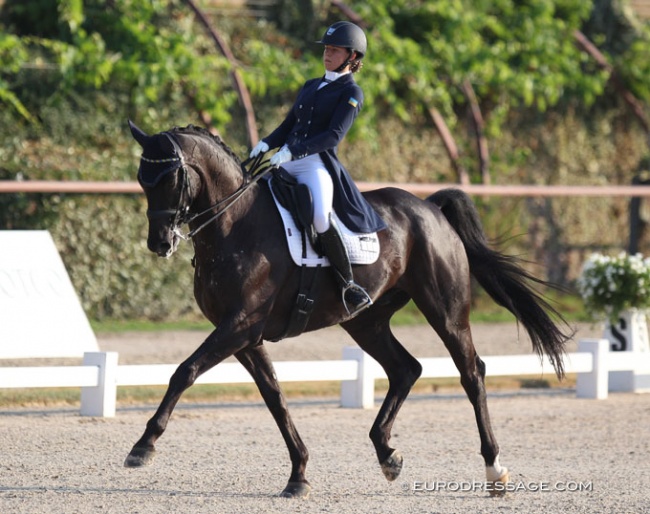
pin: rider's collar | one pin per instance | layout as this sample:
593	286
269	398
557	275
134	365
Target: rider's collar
331	76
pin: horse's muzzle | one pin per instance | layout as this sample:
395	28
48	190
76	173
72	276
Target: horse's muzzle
163	246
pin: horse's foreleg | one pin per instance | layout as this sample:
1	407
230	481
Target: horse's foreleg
402	370
205	357
256	361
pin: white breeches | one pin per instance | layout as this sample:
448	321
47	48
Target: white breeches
312	172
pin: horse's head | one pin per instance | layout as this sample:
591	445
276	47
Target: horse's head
169	185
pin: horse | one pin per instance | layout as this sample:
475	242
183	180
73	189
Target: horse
245	284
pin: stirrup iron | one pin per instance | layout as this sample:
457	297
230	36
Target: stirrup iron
364	304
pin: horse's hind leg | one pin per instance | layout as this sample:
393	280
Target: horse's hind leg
402	370
445	302
457	338
256	360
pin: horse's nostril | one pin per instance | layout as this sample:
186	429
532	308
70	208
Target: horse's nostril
159	247
163	249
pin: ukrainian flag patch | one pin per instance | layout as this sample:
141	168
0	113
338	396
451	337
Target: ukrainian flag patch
353	101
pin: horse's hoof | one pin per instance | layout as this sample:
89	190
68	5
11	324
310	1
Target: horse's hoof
392	466
140	457
298	490
499	486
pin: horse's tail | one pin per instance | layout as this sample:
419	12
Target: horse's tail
504	279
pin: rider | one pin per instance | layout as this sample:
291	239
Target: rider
309	136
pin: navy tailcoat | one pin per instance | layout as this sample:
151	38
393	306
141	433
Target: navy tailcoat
317	122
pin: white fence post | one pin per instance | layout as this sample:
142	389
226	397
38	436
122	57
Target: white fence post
359	393
101	400
595	384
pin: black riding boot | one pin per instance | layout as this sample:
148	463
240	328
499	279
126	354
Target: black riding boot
355	298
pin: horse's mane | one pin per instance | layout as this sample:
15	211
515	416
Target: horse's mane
201	131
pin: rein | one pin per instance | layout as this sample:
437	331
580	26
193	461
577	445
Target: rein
258	169
253	169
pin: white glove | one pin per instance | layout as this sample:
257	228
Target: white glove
283	155
260	147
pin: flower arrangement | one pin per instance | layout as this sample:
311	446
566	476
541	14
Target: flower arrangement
610	285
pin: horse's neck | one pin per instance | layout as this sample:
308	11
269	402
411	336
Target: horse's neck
220	185
224	178
220	172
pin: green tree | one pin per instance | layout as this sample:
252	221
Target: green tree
514	54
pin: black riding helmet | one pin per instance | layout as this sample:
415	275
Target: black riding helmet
347	35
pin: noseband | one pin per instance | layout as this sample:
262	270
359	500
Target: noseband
182	215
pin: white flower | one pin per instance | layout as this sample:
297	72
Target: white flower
612	284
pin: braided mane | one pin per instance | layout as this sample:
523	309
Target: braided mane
201	131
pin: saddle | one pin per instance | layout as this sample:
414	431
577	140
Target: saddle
295	206
297	199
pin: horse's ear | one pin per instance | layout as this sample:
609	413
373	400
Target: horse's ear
138	134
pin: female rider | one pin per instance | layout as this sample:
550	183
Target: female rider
308	139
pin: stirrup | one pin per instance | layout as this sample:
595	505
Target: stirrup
365	302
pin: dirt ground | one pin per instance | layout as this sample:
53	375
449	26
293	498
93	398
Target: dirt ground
565	454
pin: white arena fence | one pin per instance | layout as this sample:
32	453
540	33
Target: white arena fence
100	375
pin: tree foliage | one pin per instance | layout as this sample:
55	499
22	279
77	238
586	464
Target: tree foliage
514	53
146	49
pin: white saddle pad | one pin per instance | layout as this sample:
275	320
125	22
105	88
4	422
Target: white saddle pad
362	248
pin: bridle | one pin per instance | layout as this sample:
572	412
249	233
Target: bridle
253	169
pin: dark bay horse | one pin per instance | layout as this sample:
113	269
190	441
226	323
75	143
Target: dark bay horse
246	284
